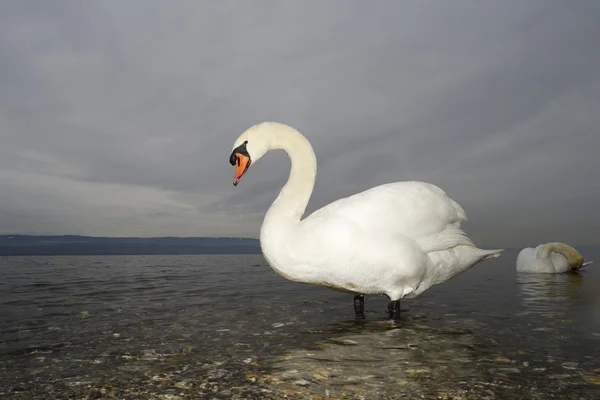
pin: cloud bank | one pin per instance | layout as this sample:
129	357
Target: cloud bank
117	118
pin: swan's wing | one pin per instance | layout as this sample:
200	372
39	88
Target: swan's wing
526	260
418	210
560	262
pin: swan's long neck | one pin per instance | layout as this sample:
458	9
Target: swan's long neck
291	203
286	211
574	259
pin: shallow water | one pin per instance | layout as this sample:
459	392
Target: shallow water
229	327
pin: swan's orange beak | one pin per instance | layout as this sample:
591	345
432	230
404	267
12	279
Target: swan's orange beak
242	163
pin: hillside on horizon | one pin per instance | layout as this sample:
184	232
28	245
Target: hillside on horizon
30	245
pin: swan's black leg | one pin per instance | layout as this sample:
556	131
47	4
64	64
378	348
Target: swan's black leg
394	309
359	306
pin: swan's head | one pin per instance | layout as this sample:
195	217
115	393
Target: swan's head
251	146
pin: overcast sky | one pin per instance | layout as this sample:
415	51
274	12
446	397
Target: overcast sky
117	117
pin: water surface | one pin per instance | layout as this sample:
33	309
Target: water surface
229	327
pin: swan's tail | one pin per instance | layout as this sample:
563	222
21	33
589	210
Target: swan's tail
453	237
448	238
487	254
470	256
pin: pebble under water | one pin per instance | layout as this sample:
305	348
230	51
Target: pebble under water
228	327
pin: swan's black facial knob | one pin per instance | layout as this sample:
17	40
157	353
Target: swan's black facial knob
241	149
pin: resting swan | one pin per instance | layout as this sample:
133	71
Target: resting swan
550	258
397	239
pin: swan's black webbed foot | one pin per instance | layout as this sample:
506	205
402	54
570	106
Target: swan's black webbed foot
394	309
359	306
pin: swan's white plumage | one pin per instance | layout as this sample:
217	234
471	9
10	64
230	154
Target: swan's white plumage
416	209
397	239
549	258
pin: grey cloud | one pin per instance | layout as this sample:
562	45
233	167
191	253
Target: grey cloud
495	102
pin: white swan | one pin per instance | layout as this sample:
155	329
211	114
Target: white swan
397	239
550	258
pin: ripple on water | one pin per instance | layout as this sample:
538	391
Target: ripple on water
138	327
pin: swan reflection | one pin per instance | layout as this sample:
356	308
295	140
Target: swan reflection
549	293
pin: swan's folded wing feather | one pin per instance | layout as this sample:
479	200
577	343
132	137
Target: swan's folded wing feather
410	209
526	259
559	261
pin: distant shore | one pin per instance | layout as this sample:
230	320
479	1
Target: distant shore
42	245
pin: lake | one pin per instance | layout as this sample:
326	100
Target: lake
227	326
